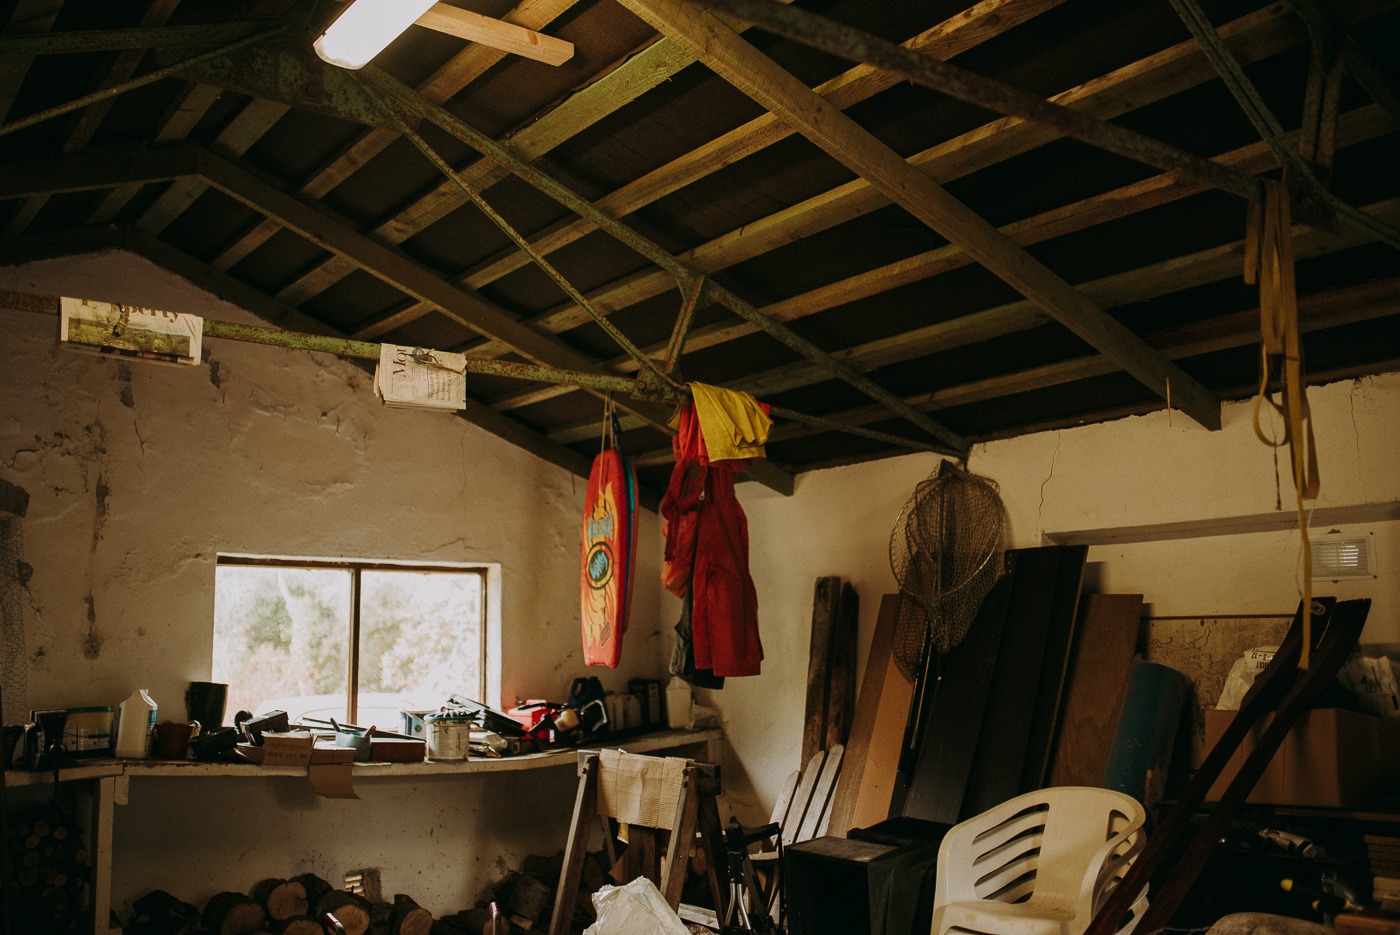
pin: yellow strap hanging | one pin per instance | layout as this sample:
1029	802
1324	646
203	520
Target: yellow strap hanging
1269	259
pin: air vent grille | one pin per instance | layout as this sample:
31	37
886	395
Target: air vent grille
1338	557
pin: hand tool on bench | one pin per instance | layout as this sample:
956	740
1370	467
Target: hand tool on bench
1285	691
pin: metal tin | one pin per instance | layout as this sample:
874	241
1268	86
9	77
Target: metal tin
88	731
448	736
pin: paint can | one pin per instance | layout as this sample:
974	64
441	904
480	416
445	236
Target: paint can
448	736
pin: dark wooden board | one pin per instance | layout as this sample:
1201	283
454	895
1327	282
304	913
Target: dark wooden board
826	598
953	709
1059	642
841	668
1006	724
1103	656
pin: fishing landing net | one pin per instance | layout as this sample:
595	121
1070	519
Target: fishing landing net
946	553
14	681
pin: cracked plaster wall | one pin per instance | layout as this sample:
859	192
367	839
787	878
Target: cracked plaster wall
1130	472
140	474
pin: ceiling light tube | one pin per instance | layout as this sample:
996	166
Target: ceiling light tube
365	27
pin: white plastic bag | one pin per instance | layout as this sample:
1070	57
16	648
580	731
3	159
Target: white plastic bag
635	909
1373	681
1242	675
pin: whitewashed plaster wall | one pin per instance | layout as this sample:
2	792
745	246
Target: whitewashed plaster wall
140	475
1131	472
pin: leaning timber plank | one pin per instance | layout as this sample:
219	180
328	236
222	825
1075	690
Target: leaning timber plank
841	670
856	148
826	597
1098	677
863	790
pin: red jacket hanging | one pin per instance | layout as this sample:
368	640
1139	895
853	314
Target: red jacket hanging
707	553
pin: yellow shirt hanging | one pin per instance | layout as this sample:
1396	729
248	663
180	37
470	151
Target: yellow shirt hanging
733	423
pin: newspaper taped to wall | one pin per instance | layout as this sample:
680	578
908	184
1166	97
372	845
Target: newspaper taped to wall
131	331
416	378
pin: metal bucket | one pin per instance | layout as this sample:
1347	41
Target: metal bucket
448	736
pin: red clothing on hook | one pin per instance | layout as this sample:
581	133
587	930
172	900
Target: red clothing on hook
707	553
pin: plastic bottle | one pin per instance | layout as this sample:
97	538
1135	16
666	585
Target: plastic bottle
136	718
678	702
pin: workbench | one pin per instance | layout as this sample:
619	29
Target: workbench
106	785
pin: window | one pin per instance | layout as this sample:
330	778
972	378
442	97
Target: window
355	641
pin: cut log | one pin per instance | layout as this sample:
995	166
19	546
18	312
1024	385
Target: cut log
299	925
282	899
351	910
315	888
233	914
409	918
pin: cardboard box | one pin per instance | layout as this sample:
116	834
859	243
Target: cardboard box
1331	758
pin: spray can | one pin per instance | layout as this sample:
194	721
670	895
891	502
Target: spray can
136	718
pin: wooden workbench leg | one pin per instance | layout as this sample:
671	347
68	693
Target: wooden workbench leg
111	791
585	807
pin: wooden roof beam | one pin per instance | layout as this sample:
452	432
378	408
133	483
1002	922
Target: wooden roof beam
1365	123
1254	36
758	76
403	97
454	75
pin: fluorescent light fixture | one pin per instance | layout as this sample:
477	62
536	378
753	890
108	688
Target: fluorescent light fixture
365	27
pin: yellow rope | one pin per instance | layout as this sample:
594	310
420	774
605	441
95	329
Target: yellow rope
1269	259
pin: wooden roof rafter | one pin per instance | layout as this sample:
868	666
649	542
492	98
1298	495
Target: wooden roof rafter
758	76
1172	70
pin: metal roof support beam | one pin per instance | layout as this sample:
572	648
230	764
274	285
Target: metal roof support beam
1269	129
988	93
1362	67
149	77
117	40
546	184
763	80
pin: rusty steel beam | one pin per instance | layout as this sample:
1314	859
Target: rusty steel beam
150	77
1298	172
988	93
418	106
117	40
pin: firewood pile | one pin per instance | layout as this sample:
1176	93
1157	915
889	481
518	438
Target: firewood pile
524	900
48	874
297	906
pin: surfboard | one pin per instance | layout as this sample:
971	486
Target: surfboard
607	560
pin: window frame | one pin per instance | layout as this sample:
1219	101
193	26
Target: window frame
486	572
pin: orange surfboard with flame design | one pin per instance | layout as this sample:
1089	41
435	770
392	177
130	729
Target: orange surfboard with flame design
605	578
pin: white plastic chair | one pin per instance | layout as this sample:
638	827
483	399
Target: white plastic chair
1039	864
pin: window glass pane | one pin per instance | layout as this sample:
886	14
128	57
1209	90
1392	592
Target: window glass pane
420	640
280	639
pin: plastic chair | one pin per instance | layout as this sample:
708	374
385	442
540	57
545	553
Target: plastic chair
1039	864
